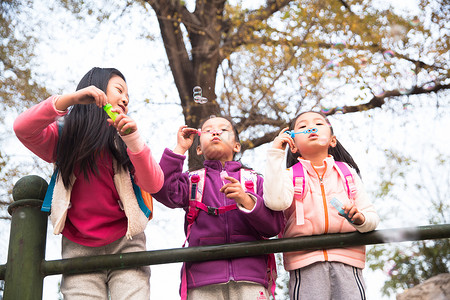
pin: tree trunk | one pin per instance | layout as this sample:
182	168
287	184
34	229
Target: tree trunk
198	68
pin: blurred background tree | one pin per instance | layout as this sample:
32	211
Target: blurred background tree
19	89
408	264
264	63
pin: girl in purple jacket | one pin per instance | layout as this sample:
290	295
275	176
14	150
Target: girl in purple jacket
250	220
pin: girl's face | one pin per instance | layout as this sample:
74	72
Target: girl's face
217	140
313	142
117	93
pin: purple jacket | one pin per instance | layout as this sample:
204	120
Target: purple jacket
230	227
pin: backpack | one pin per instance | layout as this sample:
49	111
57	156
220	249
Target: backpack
196	187
299	186
197	184
145	200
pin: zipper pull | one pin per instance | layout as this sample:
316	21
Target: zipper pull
224	174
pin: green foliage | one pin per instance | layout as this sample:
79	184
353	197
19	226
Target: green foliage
16	52
412	263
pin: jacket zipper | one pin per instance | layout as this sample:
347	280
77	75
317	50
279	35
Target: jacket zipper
227	236
325	206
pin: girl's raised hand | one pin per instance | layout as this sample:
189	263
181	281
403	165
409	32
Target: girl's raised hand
87	95
123	123
282	140
185	138
233	190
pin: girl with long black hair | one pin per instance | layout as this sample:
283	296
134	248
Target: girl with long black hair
99	162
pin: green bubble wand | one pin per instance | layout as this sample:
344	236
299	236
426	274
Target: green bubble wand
113	115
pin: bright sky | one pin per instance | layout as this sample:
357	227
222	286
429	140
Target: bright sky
71	53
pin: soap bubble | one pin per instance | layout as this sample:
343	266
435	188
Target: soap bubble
429	86
198	98
340	47
339	110
415	21
325	110
388	55
303	80
378	88
378	91
363	61
197	91
332	68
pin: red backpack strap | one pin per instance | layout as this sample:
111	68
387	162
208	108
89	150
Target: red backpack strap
298	177
196	185
349	180
249	179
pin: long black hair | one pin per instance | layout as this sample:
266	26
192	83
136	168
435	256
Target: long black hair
198	162
338	152
86	133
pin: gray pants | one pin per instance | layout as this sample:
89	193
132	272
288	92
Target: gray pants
119	284
233	290
327	280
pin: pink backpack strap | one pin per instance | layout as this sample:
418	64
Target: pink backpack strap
249	180
183	289
272	272
348	179
298	177
298	180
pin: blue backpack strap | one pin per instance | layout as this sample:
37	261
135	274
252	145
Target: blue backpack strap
298	178
47	204
137	191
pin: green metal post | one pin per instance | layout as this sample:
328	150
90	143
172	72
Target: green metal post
23	277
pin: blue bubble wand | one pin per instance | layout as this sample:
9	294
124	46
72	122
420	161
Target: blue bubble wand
292	133
339	207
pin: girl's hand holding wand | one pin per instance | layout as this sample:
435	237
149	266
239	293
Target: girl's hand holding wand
353	213
185	138
282	140
123	123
